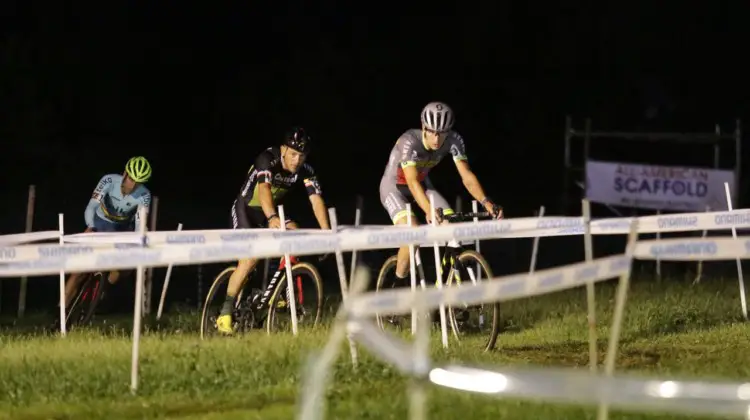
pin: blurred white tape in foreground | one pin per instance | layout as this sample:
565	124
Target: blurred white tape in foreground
574	386
581	387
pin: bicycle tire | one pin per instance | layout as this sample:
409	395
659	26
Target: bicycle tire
298	268
99	284
218	281
390	262
466	258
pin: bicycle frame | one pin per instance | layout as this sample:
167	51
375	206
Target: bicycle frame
277	276
450	253
448	264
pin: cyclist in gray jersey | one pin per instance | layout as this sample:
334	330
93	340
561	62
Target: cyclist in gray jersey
406	180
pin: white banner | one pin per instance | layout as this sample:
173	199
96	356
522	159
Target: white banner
658	187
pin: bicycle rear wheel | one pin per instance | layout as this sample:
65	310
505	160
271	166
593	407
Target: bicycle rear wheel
482	319
308	288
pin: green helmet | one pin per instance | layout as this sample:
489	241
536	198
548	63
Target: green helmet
138	169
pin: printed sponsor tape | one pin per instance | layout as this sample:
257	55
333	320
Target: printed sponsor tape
680	249
269	243
509	228
402	300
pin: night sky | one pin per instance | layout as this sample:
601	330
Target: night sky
201	89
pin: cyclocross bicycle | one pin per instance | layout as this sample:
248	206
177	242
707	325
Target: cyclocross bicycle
460	264
255	308
92	288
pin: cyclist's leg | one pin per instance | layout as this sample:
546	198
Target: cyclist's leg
240	220
74	280
394	198
71	287
114	276
440	201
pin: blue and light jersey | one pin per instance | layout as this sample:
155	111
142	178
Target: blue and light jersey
109	204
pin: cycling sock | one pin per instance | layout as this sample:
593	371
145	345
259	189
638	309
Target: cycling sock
228	306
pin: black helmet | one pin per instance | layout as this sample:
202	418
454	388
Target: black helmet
298	140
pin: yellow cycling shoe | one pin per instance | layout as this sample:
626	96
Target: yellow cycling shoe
224	324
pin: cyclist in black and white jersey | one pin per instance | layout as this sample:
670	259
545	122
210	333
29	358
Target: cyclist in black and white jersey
275	171
406	180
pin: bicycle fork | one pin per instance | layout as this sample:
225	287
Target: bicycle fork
419	268
457	269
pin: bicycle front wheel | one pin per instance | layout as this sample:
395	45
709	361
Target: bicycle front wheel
386	281
308	291
84	304
482	319
215	299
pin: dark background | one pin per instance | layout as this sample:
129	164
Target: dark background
201	89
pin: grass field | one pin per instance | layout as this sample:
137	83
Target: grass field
671	329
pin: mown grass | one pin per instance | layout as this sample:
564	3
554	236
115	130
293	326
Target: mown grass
670	329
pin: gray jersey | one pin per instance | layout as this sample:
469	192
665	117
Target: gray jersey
410	151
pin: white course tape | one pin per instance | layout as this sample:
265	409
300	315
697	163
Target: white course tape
528	227
386	346
567	226
23	238
579	387
241	245
191	247
565	385
680	249
188	236
400	301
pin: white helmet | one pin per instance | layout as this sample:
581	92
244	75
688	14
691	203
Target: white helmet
437	116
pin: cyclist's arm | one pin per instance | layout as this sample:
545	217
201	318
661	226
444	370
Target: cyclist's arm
264	175
144	201
102	188
408	162
266	199
470	180
412	180
316	196
319	208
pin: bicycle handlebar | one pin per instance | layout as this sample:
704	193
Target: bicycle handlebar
466	216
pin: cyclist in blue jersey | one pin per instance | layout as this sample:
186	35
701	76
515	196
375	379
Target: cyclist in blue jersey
114	208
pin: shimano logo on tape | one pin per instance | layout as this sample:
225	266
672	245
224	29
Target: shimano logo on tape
295	246
483	230
53	251
685	248
7	254
559	223
220	251
677	221
732	219
239	236
185	239
385	238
